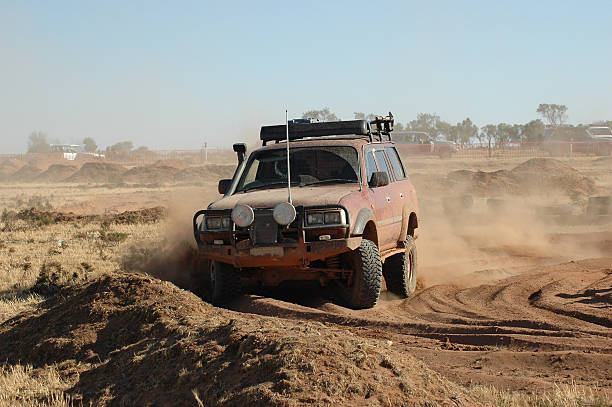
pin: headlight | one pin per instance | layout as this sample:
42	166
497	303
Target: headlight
217	222
336	217
243	215
315	218
332	218
284	213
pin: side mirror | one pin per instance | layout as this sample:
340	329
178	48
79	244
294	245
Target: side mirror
379	179
224	186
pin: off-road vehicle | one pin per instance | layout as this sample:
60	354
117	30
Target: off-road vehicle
323	201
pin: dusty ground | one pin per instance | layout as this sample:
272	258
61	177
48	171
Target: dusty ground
515	309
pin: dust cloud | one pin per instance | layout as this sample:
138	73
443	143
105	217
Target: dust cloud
482	226
174	257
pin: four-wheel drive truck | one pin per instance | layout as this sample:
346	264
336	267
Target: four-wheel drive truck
324	201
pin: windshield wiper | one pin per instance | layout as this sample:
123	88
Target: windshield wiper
332	181
272	185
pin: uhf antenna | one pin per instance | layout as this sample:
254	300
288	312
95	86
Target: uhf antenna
288	164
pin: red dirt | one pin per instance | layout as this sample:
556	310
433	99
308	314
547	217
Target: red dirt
56	173
535	176
549	325
98	172
150	174
26	173
9	166
133	340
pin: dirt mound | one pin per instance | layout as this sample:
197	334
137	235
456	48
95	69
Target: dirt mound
97	172
56	173
26	173
178	164
199	174
134	340
150	174
540	174
533	177
9	166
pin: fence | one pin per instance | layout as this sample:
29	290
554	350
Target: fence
507	150
443	150
136	157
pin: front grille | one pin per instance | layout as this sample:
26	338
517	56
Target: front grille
264	229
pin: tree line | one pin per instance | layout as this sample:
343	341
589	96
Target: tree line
38	143
428	127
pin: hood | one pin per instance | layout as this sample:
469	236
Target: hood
301	196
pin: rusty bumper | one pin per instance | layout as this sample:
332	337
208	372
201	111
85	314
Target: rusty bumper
280	255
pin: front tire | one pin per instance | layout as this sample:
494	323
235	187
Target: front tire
364	290
225	283
400	270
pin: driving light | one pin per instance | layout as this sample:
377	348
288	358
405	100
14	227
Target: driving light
217	222
284	213
243	215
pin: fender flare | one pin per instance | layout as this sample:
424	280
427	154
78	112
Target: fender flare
406	212
363	217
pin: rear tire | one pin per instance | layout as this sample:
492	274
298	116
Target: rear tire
367	276
224	282
400	270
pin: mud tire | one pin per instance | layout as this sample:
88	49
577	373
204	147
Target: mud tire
400	270
224	283
367	276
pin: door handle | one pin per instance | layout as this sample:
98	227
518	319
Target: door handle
401	195
388	199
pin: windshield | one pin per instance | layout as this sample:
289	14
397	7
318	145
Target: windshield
309	166
600	131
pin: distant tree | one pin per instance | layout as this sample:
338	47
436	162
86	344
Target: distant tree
466	130
121	146
489	133
323	115
398	126
453	133
143	149
431	124
532	131
89	145
363	116
446	130
505	133
554	115
37	143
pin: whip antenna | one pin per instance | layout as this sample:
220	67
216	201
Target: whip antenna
288	163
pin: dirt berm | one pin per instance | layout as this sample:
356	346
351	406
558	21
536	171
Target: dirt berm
97	172
128	339
534	176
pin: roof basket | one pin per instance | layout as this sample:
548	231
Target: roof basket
303	128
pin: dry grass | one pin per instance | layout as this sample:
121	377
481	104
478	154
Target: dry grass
25	386
72	251
565	395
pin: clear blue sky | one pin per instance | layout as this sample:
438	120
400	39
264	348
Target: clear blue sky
175	74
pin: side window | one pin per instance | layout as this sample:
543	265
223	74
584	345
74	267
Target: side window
370	165
382	161
398	168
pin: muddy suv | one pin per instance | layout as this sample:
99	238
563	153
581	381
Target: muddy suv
324	201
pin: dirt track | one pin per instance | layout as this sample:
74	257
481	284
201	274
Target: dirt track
507	298
549	324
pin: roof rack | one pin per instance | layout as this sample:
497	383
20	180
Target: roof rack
305	128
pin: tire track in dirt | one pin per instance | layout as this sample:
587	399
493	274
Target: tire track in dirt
556	313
